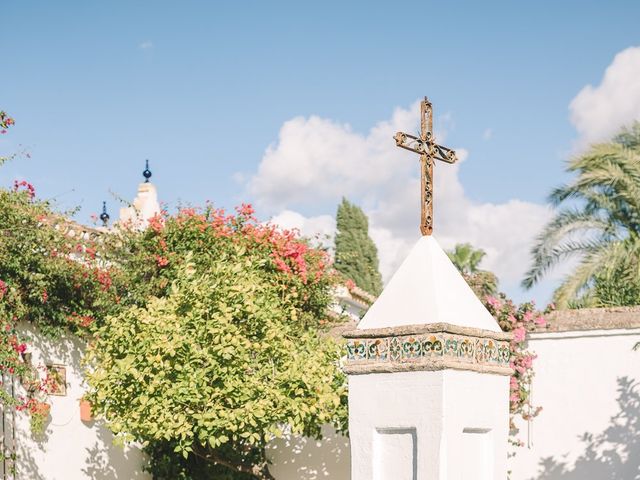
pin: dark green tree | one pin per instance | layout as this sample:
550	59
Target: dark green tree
356	254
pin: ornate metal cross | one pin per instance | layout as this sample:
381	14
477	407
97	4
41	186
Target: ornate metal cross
429	150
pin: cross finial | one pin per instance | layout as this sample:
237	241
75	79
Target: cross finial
429	150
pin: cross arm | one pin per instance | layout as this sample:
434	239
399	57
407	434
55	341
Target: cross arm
411	143
417	145
444	154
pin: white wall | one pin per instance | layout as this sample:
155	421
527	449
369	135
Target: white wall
588	383
589	428
476	418
473	402
302	458
70	449
392	408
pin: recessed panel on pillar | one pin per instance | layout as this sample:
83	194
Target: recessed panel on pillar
477	454
395	454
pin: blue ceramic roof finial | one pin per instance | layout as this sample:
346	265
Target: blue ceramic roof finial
104	216
147	173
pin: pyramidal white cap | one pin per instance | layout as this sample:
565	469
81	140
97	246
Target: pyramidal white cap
428	288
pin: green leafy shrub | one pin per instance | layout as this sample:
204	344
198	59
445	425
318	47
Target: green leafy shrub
218	347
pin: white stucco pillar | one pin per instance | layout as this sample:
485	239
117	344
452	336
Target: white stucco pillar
144	207
428	379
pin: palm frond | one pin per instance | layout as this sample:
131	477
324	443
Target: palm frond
554	243
604	261
600	221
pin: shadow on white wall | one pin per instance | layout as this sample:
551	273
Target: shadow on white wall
611	454
303	458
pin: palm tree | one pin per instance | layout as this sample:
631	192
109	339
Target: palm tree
598	221
467	260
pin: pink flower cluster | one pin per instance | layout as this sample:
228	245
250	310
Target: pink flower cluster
289	253
162	261
17	185
82	321
5	122
156	223
246	210
519	320
35	407
3	289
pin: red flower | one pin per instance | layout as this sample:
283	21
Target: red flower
156	223
246	210
85	321
162	261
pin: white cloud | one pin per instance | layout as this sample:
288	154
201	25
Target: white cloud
146	45
239	177
316	161
599	112
487	134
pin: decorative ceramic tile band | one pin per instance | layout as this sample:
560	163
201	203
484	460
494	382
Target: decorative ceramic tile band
432	350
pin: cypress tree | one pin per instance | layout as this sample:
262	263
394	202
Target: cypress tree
356	254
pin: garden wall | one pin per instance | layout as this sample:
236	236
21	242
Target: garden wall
70	449
587	382
587	377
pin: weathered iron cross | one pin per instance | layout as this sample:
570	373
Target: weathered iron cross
429	150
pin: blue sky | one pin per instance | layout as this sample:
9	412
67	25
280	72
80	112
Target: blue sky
203	89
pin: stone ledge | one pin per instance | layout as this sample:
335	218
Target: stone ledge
610	318
432	366
426	328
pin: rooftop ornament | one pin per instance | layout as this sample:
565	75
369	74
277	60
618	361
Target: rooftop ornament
104	216
146	173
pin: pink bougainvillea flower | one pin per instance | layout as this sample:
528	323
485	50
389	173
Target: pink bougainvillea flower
494	302
156	223
519	334
246	210
17	185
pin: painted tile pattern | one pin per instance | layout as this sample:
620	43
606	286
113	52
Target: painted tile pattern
416	348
